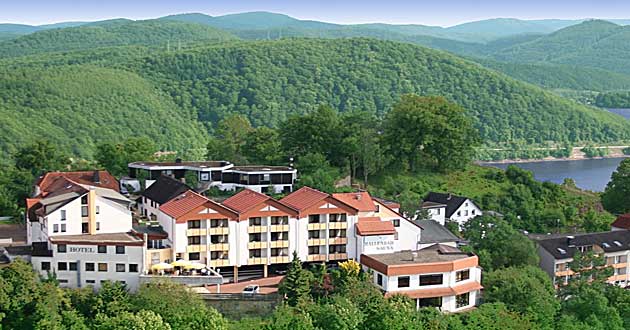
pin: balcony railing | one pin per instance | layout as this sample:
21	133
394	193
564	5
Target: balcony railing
316	226
196	248
279	244
219	263
257	261
338	225
279	228
337	240
219	231
316	257
196	232
219	247
256	229
338	256
280	260
316	241
256	245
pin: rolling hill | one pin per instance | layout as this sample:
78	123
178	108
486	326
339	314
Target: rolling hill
113	33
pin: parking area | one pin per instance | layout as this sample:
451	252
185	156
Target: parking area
267	285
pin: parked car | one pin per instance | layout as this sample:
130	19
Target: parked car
251	289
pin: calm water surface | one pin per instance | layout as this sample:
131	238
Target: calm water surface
590	174
622	112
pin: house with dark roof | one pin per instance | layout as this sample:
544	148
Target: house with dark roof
557	251
159	192
621	223
446	206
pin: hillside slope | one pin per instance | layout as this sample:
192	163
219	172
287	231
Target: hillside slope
76	107
268	81
112	33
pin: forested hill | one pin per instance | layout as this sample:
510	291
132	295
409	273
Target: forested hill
267	81
113	33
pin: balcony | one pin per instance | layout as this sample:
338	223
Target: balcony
316	226
279	244
256	245
316	241
257	261
316	257
338	225
196	248
279	228
280	260
338	256
219	231
219	247
256	229
196	232
337	240
219	263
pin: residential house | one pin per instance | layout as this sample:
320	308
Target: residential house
455	208
162	190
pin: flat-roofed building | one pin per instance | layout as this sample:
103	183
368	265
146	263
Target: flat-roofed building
437	276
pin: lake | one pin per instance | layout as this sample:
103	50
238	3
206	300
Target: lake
590	174
622	112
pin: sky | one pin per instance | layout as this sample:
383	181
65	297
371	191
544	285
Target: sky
435	12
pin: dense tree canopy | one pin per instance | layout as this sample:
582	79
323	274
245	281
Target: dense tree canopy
616	197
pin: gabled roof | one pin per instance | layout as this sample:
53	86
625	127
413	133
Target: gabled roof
245	200
451	201
361	201
623	221
164	189
433	232
390	204
563	247
99	178
189	201
304	198
373	226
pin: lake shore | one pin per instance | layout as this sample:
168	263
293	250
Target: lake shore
546	159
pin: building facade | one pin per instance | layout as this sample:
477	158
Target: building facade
443	207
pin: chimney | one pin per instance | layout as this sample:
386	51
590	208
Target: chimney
414	256
36	191
570	241
96	177
357	197
449	197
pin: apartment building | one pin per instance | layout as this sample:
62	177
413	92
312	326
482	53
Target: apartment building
80	230
439	276
221	174
557	251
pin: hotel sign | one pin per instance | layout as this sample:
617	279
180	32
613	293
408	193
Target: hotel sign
378	244
77	249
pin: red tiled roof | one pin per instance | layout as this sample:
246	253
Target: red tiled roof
245	200
105	179
303	198
361	201
183	204
623	221
371	226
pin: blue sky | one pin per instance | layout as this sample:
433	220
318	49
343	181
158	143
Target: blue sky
436	12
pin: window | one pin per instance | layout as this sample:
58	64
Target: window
279	252
378	208
102	267
133	268
55	228
194	240
73	266
84	211
194	256
379	279
430	302
255	221
90	281
62	281
102	249
462	275
194	224
438	211
280	220
396	222
214	223
435	279
257	253
89	266
313	234
62	248
84	227
219	239
462	300
465	213
45	265
98	209
62	266
473	212
120	268
338	248
334	233
120	249
337	217
313	249
403	281
280	236
63	215
84	200
459	213
257	237
63	227
98	226
313	218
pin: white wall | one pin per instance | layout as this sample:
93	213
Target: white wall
438	214
113	217
408	235
465	212
73	219
146	206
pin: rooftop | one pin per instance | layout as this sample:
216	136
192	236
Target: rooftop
433	254
261	168
152	230
245	200
373	226
113	238
164	189
361	201
623	221
303	198
451	201
98	178
183	203
565	246
203	164
433	232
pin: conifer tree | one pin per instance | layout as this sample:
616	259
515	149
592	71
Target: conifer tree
295	287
